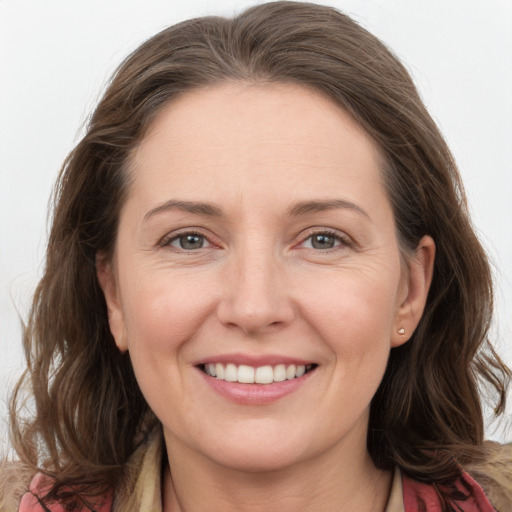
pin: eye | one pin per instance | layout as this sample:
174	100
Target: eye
188	241
324	240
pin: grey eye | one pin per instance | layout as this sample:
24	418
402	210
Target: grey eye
323	241
189	242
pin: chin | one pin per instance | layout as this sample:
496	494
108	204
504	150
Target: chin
257	461
261	454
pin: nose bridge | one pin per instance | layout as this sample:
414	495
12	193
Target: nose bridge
256	297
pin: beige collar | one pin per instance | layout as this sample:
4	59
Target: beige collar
141	486
396	500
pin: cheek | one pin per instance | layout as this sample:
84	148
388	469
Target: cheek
351	316
163	310
163	313
353	312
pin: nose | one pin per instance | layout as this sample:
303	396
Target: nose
255	296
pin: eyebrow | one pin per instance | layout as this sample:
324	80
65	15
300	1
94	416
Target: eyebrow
296	210
193	207
306	207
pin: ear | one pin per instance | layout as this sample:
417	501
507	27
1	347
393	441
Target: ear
108	283
417	279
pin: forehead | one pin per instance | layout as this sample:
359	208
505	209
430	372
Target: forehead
237	137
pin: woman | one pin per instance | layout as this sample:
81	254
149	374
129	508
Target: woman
262	289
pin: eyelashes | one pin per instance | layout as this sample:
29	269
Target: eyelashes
325	240
321	240
187	241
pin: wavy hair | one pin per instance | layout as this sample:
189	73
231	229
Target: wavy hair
89	412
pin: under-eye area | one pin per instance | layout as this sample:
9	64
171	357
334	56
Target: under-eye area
260	375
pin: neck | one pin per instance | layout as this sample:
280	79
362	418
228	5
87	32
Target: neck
342	479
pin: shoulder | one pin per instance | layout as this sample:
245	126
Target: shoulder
463	494
32	499
483	486
494	474
21	493
14	482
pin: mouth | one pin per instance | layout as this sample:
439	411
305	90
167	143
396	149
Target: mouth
246	374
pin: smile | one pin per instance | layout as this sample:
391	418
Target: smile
260	375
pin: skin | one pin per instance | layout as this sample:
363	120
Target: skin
259	285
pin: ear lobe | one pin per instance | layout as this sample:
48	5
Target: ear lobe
108	283
420	268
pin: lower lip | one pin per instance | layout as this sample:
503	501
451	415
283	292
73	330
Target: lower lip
255	394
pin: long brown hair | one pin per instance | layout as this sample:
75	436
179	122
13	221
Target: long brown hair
89	412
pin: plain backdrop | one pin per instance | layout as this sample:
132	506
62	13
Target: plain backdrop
56	55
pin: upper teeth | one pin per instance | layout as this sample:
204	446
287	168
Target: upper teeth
260	375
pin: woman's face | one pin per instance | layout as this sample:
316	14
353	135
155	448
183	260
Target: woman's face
257	241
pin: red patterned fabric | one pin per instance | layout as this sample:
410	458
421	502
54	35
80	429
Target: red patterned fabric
464	495
40	485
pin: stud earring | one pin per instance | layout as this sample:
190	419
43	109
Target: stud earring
401	331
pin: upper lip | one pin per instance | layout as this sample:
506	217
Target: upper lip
253	360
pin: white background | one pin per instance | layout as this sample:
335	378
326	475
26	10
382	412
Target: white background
55	56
